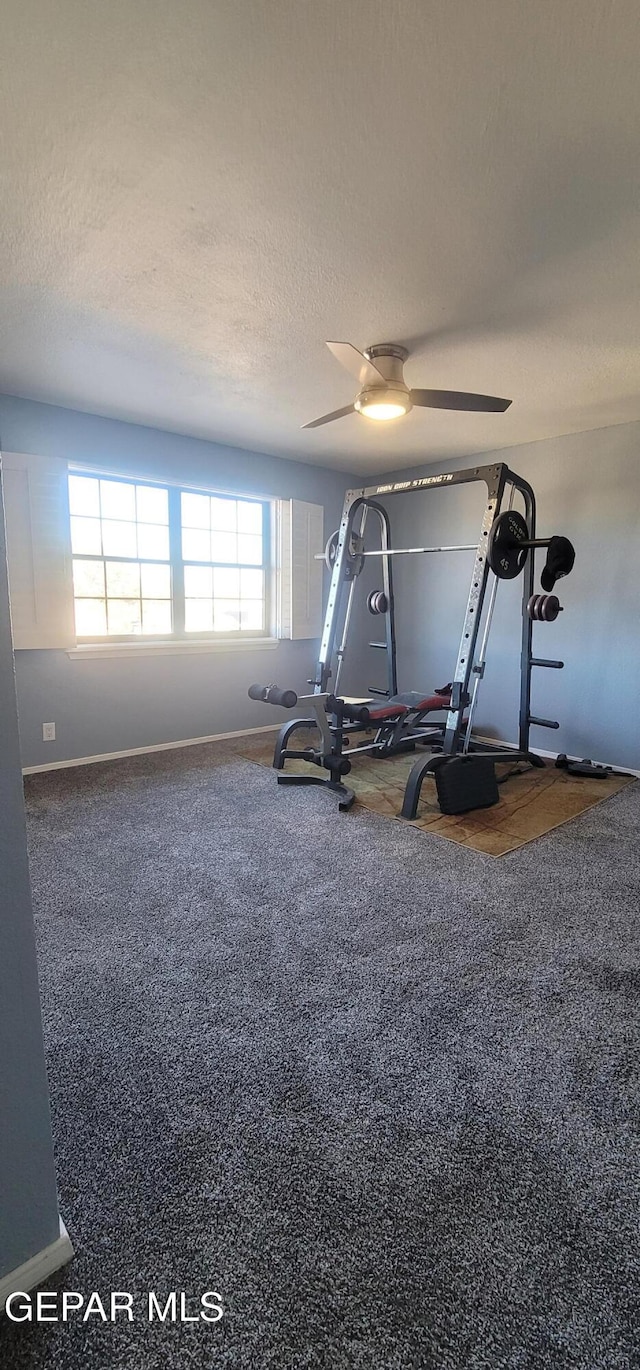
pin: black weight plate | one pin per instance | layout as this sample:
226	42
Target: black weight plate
377	602
550	608
331	549
355	560
505	554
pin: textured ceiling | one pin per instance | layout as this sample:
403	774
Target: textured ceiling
196	193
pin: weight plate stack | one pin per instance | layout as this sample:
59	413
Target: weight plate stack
544	608
377	602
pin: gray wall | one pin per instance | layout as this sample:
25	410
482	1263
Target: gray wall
28	1203
587	487
112	705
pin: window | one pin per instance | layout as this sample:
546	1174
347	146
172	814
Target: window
156	561
224	572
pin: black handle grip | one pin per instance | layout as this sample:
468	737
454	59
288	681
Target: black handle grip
358	713
354	713
272	694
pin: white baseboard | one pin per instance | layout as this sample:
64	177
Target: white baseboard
246	732
144	751
513	746
38	1267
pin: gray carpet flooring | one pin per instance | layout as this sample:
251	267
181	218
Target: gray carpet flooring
379	1091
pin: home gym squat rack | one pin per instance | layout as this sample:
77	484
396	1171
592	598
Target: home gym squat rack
505	541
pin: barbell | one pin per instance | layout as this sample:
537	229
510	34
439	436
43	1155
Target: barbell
508	544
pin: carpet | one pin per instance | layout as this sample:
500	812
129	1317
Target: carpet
380	1091
530	804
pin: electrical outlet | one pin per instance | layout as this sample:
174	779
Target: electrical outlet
48	732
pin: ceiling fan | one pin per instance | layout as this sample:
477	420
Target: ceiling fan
383	393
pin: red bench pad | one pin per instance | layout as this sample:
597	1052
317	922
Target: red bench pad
388	711
411	702
432	702
418	703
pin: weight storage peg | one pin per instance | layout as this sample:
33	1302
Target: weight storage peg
544	608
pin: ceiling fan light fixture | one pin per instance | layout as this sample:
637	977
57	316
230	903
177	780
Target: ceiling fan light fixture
382	404
374	409
383	393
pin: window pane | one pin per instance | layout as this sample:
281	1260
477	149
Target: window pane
153	541
195	511
249	518
91	618
117	500
250	549
198	582
84	496
251	584
251	614
123	579
88	578
156	581
196	545
152	504
123	616
85	537
119	539
226	616
156	616
223	515
226	584
224	547
198	615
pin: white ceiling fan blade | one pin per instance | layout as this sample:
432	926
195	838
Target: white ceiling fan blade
328	418
348	356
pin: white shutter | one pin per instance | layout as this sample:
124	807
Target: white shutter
36	501
301	537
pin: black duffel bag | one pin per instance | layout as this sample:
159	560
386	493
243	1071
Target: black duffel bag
466	782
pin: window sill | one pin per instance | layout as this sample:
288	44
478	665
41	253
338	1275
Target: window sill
92	651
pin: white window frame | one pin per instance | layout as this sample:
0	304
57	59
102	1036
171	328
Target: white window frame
176	562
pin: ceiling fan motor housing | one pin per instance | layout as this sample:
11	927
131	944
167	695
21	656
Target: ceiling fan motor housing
389	359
